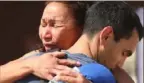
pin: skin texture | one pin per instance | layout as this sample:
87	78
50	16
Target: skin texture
122	76
58	29
43	66
112	53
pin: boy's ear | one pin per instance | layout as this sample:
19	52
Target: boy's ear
106	34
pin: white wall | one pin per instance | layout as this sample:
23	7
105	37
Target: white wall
139	51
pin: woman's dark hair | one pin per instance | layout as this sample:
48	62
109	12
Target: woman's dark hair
78	9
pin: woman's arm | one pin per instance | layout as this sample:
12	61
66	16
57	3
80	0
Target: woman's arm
41	66
14	70
122	76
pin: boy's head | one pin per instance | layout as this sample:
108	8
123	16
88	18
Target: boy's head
114	29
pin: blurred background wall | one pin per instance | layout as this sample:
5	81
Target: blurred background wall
19	22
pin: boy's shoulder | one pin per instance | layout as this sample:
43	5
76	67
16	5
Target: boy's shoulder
31	53
93	71
97	73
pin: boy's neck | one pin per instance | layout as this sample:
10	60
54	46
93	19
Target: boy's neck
81	46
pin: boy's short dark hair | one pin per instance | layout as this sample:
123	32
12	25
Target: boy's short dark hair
117	14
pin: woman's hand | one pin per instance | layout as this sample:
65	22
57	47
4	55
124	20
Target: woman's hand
71	76
44	65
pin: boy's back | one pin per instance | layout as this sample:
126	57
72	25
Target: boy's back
90	69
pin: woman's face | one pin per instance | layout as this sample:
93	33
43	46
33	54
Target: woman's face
58	27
